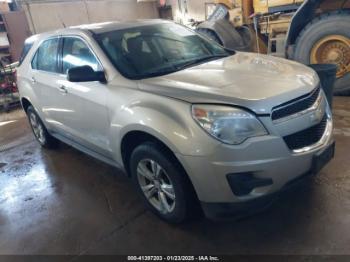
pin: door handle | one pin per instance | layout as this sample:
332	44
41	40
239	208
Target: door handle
33	80
63	89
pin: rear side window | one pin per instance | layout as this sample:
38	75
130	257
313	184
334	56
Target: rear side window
25	50
46	57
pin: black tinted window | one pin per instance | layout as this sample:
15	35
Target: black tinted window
77	53
45	58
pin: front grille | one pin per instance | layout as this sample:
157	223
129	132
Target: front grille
296	105
306	137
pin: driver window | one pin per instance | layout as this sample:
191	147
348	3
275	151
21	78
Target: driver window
77	53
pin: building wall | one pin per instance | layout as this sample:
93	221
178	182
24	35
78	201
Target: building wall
46	15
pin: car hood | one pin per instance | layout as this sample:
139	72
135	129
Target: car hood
254	81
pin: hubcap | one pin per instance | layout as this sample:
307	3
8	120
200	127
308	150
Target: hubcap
333	49
156	185
38	129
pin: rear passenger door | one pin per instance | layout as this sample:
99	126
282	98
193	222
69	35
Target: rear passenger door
46	82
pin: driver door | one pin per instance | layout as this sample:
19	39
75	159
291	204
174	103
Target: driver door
87	122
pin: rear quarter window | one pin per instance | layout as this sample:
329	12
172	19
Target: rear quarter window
26	48
46	56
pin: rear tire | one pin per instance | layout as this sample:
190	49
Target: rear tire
39	130
169	194
335	23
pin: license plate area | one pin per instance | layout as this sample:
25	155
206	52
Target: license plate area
322	159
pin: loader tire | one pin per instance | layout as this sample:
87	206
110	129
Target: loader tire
326	39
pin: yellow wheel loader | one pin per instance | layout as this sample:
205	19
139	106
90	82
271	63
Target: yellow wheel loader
310	31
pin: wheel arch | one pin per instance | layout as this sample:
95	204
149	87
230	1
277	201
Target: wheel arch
25	102
134	138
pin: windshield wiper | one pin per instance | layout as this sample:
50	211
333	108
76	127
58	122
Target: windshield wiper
199	60
175	68
159	72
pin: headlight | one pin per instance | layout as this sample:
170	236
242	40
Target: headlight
230	125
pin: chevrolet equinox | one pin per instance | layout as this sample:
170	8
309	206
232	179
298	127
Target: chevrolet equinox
193	124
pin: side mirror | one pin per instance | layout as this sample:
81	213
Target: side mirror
85	74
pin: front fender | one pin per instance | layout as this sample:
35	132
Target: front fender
168	120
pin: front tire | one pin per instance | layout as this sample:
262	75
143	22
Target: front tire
162	185
39	130
326	39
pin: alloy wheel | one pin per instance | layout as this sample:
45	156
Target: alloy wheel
156	185
37	127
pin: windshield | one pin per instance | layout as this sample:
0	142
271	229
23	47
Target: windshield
153	50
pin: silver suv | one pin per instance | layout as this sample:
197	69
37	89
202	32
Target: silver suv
193	124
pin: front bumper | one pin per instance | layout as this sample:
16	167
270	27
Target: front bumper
267	158
246	208
264	158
